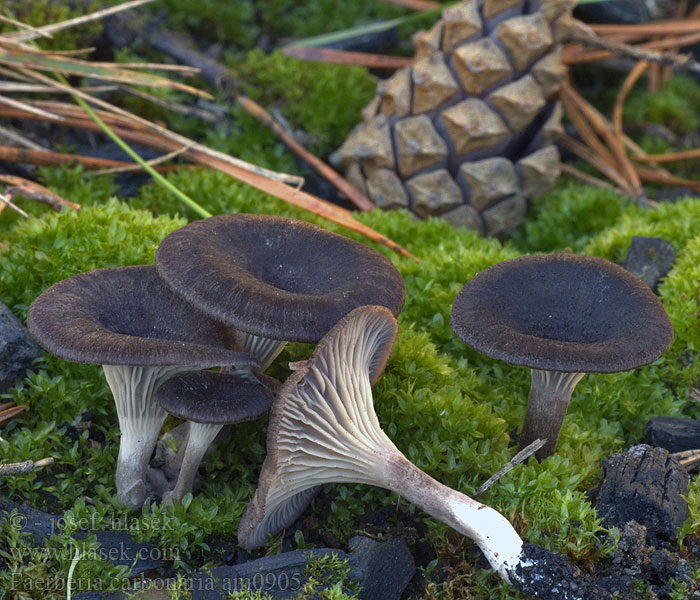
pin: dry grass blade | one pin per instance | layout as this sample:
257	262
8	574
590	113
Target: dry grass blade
127	129
627	85
521	456
34	191
583	126
346	57
586	178
669	27
653	176
183	109
605	131
28	108
19	139
585	153
415	4
21	25
5	202
50	62
11	413
356	197
26	36
42	157
163	131
8	86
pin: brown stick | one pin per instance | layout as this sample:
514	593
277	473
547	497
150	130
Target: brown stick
46	158
655	177
669	156
572	56
586	154
604	129
340	184
346	57
586	178
26	466
10	413
415	4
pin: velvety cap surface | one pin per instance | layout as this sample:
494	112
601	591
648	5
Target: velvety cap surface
216	398
562	312
126	316
275	277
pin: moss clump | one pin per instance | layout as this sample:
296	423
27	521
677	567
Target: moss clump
675	222
680	294
676	105
568	216
324	100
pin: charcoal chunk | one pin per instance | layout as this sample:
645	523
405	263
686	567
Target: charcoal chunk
645	485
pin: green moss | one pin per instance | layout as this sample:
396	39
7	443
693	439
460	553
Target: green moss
675	222
680	294
324	100
676	105
568	216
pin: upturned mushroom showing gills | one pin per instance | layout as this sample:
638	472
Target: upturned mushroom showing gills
323	429
275	278
127	320
209	400
562	315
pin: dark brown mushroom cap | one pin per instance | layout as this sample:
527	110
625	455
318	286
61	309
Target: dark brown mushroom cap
562	312
127	316
275	277
216	398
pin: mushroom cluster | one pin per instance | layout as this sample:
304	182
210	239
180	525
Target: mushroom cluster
228	291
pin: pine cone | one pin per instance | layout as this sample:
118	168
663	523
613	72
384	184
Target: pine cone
466	132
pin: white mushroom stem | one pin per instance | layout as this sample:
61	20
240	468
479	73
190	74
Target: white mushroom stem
140	421
491	531
550	393
201	435
323	428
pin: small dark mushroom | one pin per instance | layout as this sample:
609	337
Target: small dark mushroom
562	315
209	400
127	320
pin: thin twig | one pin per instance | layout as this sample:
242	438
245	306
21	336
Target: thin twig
415	4
354	195
180	139
669	156
20	139
28	108
590	179
687	458
177	107
347	57
681	62
26	466
153	162
46	158
21	25
7	202
521	456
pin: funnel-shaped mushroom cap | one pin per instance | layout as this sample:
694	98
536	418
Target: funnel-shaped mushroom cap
323	427
216	398
274	277
562	312
127	316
